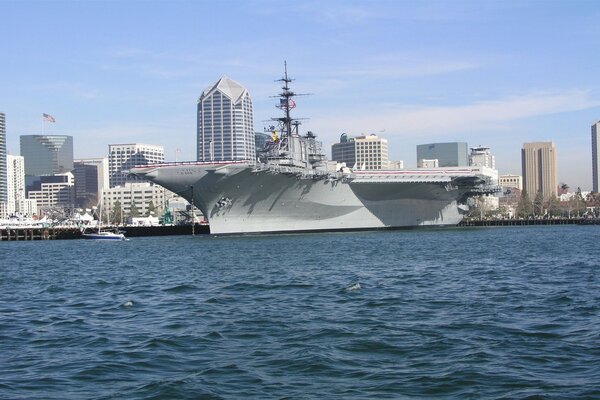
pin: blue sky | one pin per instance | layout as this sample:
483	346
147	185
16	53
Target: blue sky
495	73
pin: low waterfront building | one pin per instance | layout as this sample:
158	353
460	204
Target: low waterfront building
141	197
426	163
396	164
511	181
54	191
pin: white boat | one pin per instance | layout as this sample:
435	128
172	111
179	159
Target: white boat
104	235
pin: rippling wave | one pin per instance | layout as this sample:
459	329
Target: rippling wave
467	313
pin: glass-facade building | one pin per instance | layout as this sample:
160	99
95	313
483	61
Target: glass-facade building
225	126
91	178
3	175
452	154
47	154
344	151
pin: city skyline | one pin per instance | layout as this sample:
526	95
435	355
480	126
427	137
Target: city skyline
497	74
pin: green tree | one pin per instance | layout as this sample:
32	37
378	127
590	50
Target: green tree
538	204
525	207
133	210
150	209
553	206
117	212
580	206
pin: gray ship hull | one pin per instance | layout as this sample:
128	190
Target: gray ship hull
237	198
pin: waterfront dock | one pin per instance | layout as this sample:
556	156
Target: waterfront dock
524	222
59	233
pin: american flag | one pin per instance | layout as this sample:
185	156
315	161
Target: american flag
289	104
48	118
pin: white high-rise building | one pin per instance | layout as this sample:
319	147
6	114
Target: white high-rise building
595	157
372	152
122	157
3	188
15	168
482	157
225	123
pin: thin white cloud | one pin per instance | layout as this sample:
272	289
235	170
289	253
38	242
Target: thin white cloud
489	115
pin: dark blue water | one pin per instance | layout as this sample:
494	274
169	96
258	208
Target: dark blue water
453	313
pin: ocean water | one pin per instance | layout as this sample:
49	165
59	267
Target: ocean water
510	312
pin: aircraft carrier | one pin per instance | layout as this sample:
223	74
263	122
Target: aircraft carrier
289	188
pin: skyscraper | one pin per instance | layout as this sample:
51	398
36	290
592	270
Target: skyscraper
344	151
15	167
123	157
225	123
47	154
539	168
595	156
91	178
453	154
368	151
3	177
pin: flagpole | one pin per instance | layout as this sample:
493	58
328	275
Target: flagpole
43	125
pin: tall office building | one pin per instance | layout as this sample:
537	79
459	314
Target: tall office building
453	154
47	154
370	152
15	168
3	187
482	157
344	151
595	156
91	178
538	161
122	157
225	123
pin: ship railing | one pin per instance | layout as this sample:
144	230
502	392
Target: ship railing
178	163
486	189
299	171
400	178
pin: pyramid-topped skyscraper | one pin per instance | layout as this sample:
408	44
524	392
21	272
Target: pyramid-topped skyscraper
225	123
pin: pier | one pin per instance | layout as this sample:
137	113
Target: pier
524	222
39	233
59	233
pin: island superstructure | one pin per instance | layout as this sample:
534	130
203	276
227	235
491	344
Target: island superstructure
289	188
